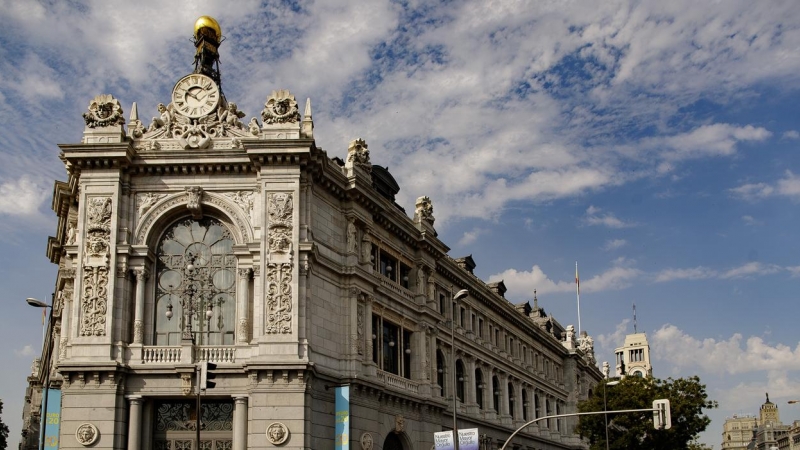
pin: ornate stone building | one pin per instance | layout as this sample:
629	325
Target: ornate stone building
203	236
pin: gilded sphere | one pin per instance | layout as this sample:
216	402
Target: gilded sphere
207	22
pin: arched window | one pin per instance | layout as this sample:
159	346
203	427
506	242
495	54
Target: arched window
460	380
537	411
479	387
195	284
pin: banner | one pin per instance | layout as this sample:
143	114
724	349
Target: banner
53	424
443	440
468	439
342	428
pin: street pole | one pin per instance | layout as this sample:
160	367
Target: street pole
459	295
197	415
605	407
558	416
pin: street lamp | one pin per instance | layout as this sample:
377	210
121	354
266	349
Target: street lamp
46	365
460	295
792	402
605	406
192	298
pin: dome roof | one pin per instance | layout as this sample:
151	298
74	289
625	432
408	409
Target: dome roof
207	22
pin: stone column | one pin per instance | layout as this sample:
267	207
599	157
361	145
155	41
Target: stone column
469	375
503	395
242	296
239	423
138	321
135	423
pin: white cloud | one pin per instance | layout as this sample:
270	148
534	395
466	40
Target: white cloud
519	282
794	270
25	351
788	186
21	197
708	140
471	236
696	273
614	244
593	217
750	269
791	134
750	220
609	342
733	355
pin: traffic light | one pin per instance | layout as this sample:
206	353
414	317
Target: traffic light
662	419
207	374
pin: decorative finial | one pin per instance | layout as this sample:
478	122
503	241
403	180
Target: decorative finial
535	300
207	38
767	397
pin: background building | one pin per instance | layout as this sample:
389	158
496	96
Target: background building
633	358
206	237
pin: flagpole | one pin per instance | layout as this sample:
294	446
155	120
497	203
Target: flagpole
578	292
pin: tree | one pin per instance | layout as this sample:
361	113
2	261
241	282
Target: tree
687	398
3	429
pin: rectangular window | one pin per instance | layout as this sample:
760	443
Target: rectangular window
442	304
480	327
462	316
472	325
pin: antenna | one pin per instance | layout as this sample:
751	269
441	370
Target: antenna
634	319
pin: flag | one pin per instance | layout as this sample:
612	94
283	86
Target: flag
577	280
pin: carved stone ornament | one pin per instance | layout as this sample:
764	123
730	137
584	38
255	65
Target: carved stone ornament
424	210
95	271
243	199
280	222
186	383
281	107
352	236
279	298
195	194
146	200
242	330
277	433
366	441
87	434
104	111
360	328
399	423
358	155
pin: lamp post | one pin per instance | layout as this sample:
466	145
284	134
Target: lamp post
792	402
193	298
605	407
462	294
46	365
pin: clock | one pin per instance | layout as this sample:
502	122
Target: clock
195	95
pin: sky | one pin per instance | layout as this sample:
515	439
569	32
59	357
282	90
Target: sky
655	143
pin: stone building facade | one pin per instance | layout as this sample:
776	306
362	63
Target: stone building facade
198	237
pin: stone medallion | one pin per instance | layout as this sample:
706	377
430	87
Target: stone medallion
277	433
87	434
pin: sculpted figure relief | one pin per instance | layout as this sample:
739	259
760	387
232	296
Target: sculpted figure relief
104	110
87	434
230	116
163	120
352	241
358	155
424	210
277	433
281	107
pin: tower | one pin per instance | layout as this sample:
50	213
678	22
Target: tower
633	358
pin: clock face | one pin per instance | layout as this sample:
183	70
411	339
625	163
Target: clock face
195	95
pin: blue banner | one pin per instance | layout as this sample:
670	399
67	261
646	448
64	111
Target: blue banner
53	415
342	429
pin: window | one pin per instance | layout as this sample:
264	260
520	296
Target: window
442	304
209	289
537	411
472	325
462	317
511	401
479	387
511	347
525	405
460	380
391	268
480	328
391	347
440	370
496	394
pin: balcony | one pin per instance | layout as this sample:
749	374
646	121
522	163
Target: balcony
398	382
163	354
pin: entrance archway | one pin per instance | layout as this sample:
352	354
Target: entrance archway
393	442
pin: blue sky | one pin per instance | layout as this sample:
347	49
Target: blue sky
656	143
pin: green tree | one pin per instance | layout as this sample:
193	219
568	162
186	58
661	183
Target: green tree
3	429
687	398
